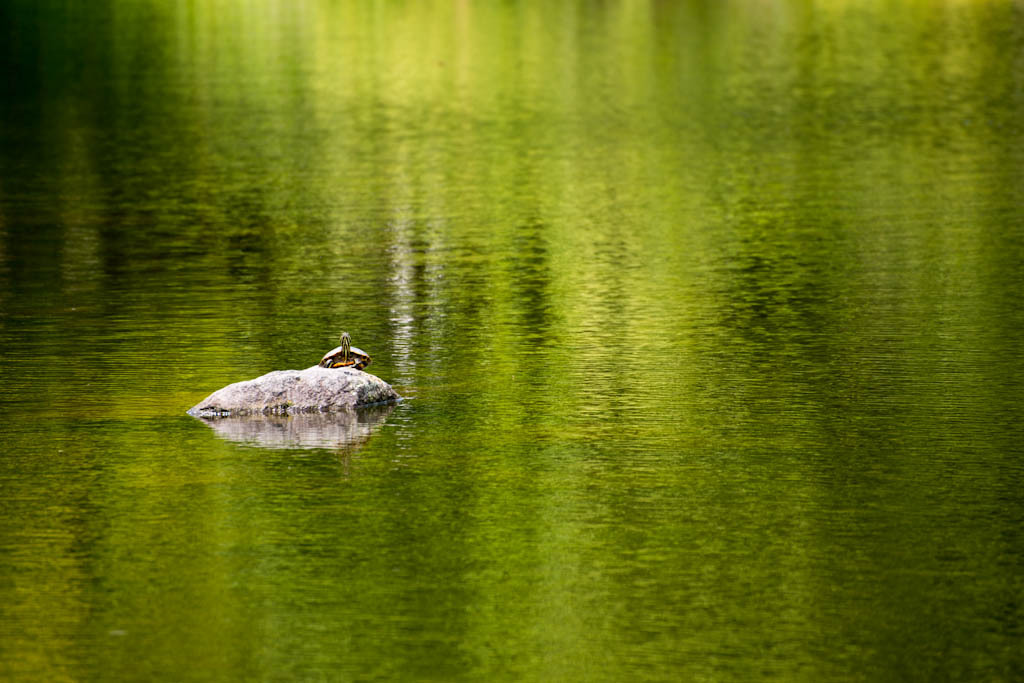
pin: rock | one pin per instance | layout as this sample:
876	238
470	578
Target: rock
290	392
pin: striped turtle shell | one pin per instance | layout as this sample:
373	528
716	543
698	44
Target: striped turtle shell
346	356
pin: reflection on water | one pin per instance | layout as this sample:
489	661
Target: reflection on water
346	431
712	313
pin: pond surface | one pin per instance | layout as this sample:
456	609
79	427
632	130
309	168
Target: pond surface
709	318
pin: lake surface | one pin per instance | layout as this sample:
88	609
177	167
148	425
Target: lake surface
709	318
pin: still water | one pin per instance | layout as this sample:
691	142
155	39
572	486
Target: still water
708	316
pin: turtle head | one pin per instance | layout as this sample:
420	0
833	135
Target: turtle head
346	343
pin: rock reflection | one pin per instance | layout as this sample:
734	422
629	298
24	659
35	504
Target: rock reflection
347	431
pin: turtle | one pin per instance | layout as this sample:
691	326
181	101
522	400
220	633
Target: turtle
345	356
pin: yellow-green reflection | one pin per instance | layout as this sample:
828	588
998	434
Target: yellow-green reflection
708	314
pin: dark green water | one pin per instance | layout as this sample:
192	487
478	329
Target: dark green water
710	318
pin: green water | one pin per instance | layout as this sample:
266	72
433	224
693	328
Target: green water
709	317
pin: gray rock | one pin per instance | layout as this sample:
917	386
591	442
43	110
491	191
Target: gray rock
291	392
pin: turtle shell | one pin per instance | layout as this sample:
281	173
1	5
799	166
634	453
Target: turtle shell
357	358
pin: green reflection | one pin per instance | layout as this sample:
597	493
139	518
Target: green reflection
708	314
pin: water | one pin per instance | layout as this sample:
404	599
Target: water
708	316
